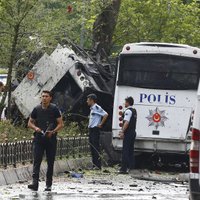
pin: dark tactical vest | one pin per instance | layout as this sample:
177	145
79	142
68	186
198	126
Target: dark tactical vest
132	124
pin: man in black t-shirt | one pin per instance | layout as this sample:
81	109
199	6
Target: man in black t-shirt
46	121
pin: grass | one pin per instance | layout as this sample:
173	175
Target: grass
13	133
3	71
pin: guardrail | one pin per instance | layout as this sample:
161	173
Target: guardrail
21	152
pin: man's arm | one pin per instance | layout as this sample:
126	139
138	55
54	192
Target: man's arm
60	125
125	126
103	120
127	117
31	124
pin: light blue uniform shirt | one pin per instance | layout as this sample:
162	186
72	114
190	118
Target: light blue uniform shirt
96	115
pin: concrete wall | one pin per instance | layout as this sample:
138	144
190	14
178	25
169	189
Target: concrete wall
24	173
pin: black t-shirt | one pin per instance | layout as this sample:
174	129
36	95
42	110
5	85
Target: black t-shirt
46	118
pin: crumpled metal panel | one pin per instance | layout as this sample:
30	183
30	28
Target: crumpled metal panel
65	73
47	73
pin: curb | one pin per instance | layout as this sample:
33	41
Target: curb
24	174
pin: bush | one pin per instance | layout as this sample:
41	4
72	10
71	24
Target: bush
10	132
74	129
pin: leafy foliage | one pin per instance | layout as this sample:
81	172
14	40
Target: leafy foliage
158	21
11	133
50	22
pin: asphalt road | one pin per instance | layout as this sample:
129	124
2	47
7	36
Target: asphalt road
101	186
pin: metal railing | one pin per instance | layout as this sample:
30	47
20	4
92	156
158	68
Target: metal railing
21	152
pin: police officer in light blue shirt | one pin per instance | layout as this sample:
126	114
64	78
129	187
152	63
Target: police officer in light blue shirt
98	117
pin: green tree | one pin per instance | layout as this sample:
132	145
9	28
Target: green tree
12	16
104	27
158	21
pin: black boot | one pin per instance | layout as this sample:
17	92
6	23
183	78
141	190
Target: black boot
47	189
33	186
48	185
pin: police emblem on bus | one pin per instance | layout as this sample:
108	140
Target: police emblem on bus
157	118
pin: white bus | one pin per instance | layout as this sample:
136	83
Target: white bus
163	79
3	78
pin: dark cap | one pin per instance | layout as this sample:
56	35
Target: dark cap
92	96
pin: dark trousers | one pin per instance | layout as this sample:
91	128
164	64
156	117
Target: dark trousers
42	144
128	161
94	140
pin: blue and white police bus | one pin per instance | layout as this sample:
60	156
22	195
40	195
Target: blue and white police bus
163	80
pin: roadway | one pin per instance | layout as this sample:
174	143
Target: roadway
103	186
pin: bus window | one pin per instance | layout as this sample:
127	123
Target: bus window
159	71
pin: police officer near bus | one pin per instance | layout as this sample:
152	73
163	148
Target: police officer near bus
128	135
46	121
97	119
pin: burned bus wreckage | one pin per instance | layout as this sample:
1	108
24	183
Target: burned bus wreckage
71	77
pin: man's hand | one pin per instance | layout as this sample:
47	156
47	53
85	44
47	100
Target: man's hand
121	135
31	124
38	130
100	126
49	134
103	121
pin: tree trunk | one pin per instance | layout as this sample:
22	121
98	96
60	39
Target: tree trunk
104	27
8	87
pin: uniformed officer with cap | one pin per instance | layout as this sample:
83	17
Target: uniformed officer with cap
128	135
98	117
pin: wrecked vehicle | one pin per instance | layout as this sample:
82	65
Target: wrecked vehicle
71	77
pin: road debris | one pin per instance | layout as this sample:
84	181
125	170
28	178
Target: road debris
101	186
